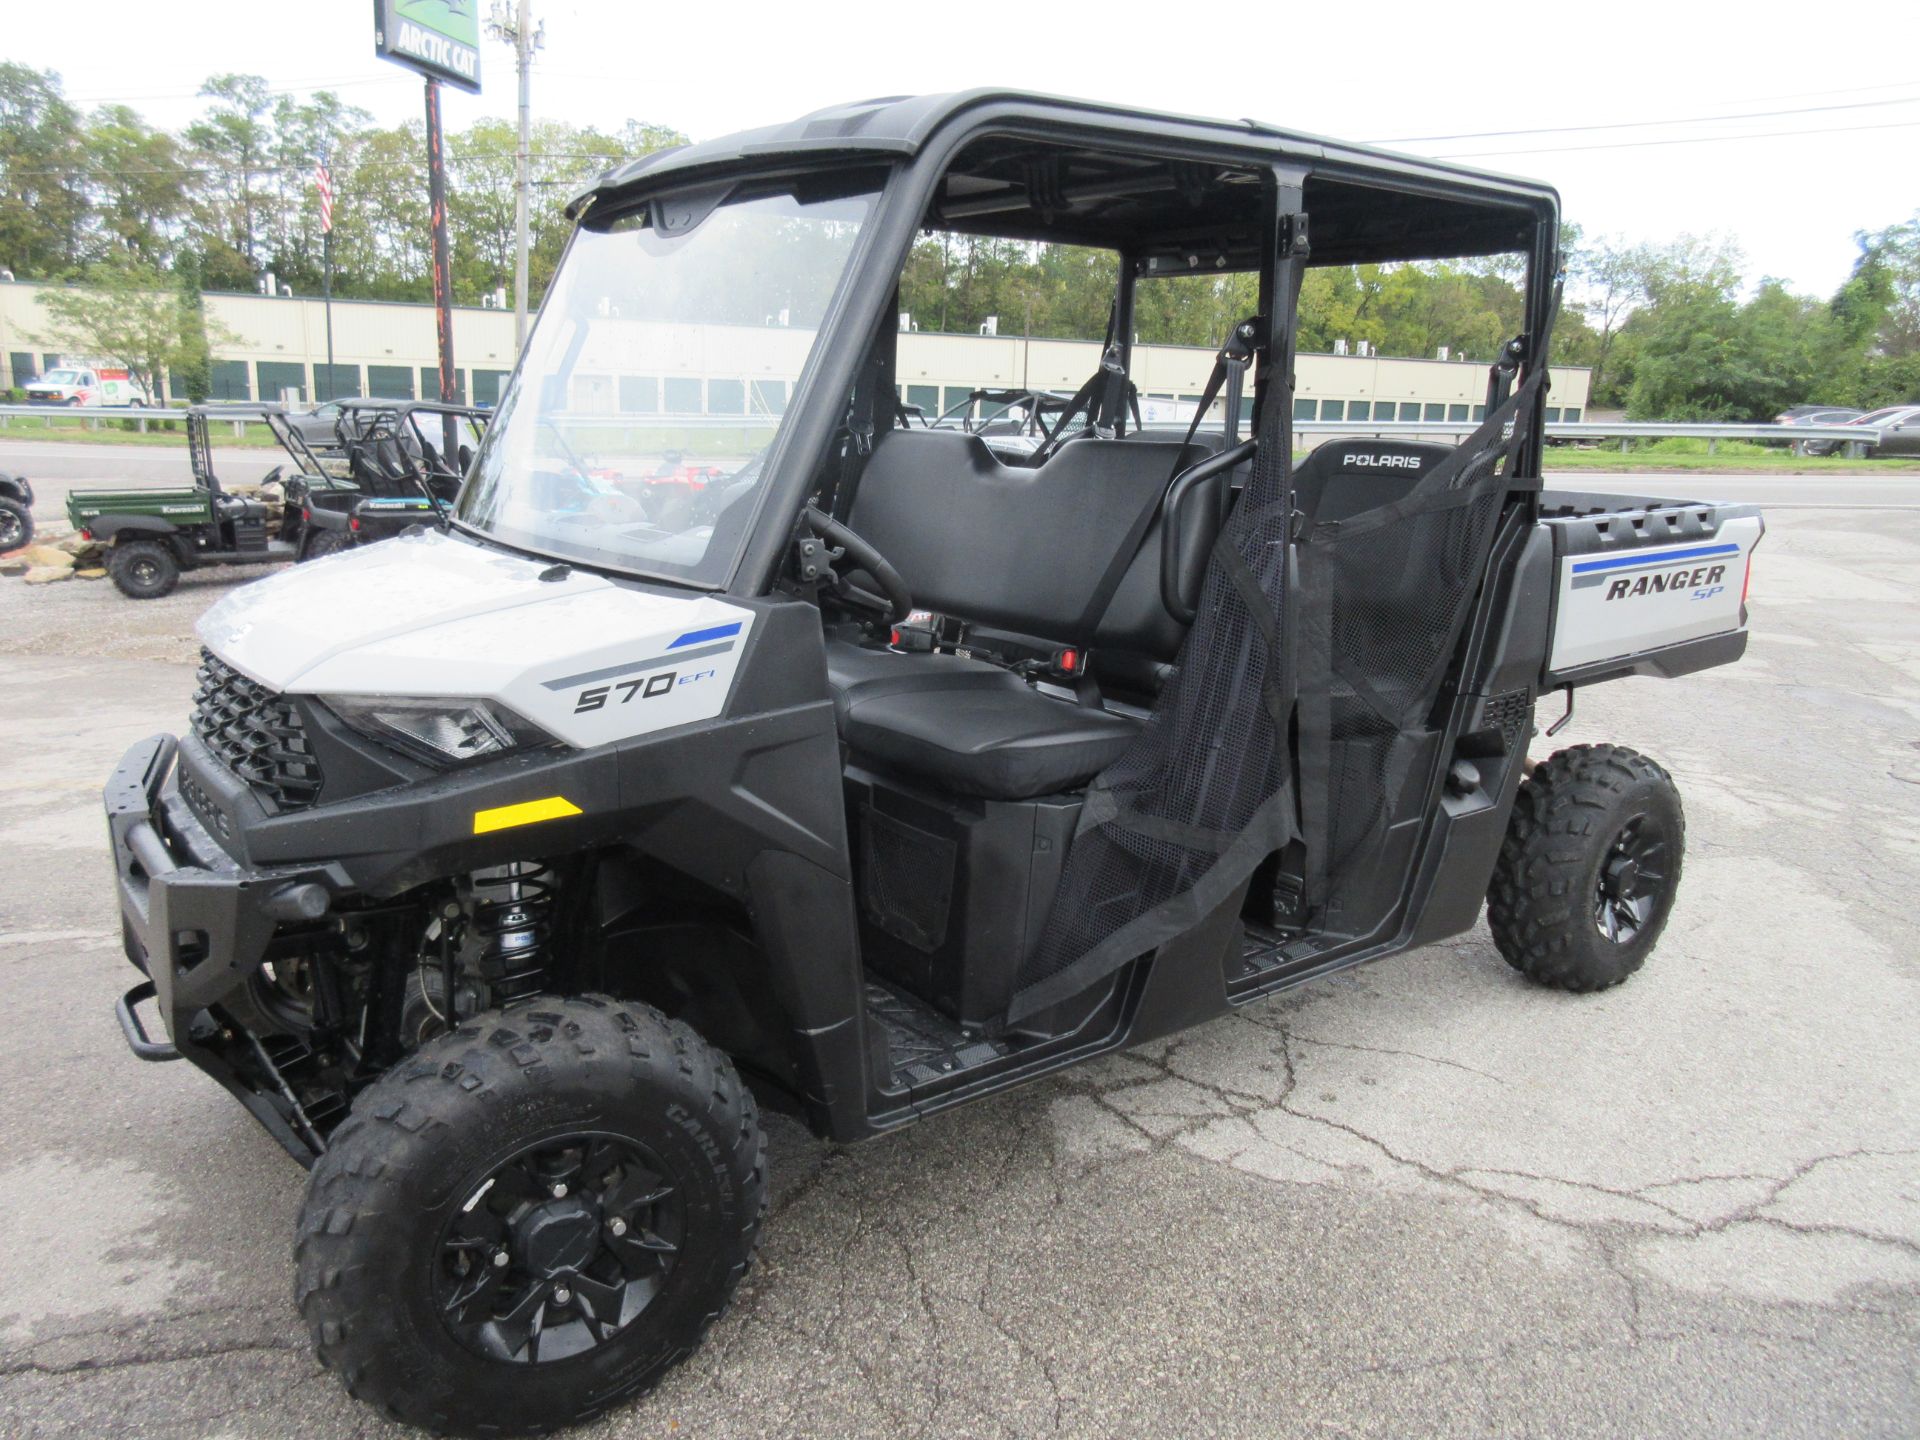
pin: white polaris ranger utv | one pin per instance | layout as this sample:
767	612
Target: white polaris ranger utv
850	766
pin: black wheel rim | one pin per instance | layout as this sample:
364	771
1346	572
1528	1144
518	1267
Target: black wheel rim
1633	880
558	1249
145	572
11	530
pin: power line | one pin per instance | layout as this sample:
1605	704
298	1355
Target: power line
1684	140
299	87
301	167
1646	124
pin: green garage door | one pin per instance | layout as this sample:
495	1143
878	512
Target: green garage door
281	375
487	385
230	381
330	382
390	382
430	383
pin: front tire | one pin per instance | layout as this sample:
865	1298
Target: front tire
144	569
1589	868
532	1219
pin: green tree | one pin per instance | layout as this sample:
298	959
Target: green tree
128	315
43	200
137	181
190	370
232	148
302	133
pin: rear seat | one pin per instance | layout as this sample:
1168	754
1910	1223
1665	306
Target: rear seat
1026	550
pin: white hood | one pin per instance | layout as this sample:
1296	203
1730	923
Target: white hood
430	614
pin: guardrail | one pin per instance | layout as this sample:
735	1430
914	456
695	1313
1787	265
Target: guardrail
1855	438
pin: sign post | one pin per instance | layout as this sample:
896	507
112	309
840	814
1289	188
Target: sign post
441	40
442	262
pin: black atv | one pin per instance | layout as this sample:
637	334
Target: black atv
505	895
16	512
384	465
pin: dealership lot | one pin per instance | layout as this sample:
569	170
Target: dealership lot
1421	1198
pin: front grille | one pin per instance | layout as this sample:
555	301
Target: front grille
256	734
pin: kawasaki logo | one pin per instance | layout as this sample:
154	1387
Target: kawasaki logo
1381	462
1688	579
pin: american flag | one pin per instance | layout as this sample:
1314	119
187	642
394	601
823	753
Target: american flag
323	181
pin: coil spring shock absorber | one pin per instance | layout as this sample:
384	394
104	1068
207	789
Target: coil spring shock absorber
511	929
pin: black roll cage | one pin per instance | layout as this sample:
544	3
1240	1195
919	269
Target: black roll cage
1472	212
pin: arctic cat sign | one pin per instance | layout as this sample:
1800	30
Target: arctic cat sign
440	38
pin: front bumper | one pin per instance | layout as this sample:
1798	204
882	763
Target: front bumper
198	924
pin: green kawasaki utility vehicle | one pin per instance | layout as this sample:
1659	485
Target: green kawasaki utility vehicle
153	535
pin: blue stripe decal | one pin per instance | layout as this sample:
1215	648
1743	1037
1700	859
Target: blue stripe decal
1643	557
718	632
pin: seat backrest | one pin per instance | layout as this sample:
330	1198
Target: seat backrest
1030	549
1345	477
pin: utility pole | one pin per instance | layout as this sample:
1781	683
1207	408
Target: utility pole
518	30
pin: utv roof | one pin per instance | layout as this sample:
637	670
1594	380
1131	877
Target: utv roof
1438	208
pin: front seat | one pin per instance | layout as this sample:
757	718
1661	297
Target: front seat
1067	553
969	727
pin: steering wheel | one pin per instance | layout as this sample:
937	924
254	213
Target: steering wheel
843	546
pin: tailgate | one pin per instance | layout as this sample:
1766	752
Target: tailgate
1646	586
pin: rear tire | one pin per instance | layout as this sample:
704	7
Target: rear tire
143	569
581	1177
323	542
16	525
1589	868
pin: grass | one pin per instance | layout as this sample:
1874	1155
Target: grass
1683	454
74	430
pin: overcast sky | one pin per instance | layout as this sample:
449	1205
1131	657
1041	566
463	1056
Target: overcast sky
1383	72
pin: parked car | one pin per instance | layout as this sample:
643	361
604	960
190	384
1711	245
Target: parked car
1816	415
1899	430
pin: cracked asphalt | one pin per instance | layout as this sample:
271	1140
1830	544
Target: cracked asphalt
1422	1198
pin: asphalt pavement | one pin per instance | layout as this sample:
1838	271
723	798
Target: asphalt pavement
1420	1199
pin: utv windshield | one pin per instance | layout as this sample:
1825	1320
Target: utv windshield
659	372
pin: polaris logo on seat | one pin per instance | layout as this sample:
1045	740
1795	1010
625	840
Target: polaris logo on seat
1382	462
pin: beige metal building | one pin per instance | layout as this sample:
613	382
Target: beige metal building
388	349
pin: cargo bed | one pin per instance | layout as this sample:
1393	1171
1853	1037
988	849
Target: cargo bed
1645	585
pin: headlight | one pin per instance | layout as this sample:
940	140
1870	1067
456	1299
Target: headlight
439	731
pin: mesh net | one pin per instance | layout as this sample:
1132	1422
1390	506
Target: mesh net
1381	601
1207	781
1208	790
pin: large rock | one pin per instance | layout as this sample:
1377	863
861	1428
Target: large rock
77	545
43	557
47	574
91	573
14	565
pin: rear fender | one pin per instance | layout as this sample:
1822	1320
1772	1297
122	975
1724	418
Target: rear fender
113	529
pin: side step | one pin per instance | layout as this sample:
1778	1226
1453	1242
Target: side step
923	1045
